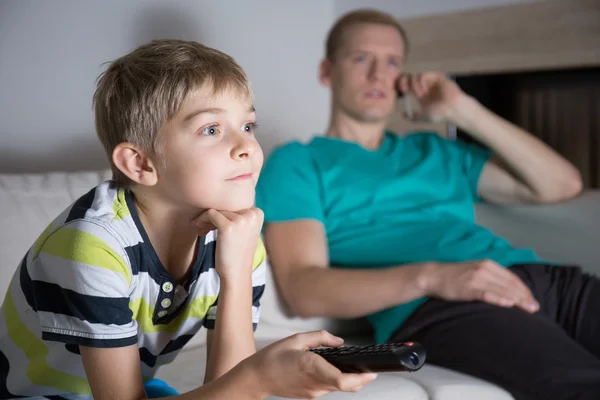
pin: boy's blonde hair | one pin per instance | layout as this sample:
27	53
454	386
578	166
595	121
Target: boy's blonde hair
144	89
335	38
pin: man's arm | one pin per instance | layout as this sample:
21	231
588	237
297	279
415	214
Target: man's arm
299	258
523	170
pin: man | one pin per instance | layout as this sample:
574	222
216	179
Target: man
363	222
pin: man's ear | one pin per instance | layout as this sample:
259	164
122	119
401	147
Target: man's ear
325	73
135	164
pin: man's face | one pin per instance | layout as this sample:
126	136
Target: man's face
364	72
211	157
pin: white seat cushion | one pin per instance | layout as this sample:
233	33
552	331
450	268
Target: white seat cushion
28	203
187	373
444	384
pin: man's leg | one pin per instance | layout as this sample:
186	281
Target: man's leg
568	296
529	355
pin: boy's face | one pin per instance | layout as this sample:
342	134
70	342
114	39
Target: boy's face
211	157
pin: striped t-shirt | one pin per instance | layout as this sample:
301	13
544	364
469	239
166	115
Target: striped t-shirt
92	278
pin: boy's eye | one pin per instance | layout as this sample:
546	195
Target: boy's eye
360	59
250	128
209	130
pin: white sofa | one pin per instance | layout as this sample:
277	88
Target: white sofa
566	233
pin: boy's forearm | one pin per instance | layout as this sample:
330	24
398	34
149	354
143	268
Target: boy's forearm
239	383
345	293
233	337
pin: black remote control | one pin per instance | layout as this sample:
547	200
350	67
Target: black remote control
407	356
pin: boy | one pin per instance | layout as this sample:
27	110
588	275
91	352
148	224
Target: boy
124	277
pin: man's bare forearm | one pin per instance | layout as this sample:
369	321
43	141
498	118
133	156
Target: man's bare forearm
348	293
547	174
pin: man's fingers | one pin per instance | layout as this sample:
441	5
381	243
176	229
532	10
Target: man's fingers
506	293
403	84
523	296
492	297
418	86
314	339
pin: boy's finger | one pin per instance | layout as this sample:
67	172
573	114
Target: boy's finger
214	217
203	227
355	382
310	340
230	215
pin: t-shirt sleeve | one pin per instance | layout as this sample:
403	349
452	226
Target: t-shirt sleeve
289	186
78	282
472	158
259	269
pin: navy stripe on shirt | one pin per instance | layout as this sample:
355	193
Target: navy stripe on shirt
50	297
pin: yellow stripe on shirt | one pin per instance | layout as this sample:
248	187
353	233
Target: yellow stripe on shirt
85	248
38	371
143	312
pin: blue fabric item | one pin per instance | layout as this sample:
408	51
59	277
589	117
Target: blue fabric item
157	388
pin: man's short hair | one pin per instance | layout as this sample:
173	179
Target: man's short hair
335	37
141	91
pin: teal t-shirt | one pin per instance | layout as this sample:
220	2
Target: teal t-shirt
411	200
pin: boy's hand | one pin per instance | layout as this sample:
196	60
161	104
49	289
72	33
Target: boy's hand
287	369
238	234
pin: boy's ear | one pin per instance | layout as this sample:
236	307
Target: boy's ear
135	164
325	73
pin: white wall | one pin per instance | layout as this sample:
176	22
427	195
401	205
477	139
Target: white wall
417	8
51	53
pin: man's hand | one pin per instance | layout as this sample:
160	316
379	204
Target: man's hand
287	369
437	94
238	234
480	280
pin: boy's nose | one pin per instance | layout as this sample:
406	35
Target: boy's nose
243	148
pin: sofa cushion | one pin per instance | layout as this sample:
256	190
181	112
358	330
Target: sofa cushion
567	232
187	373
28	203
430	382
444	384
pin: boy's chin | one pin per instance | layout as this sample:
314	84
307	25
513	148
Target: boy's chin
236	206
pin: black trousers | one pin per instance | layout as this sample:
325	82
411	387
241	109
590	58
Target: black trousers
553	354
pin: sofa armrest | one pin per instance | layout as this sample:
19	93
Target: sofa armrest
565	233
